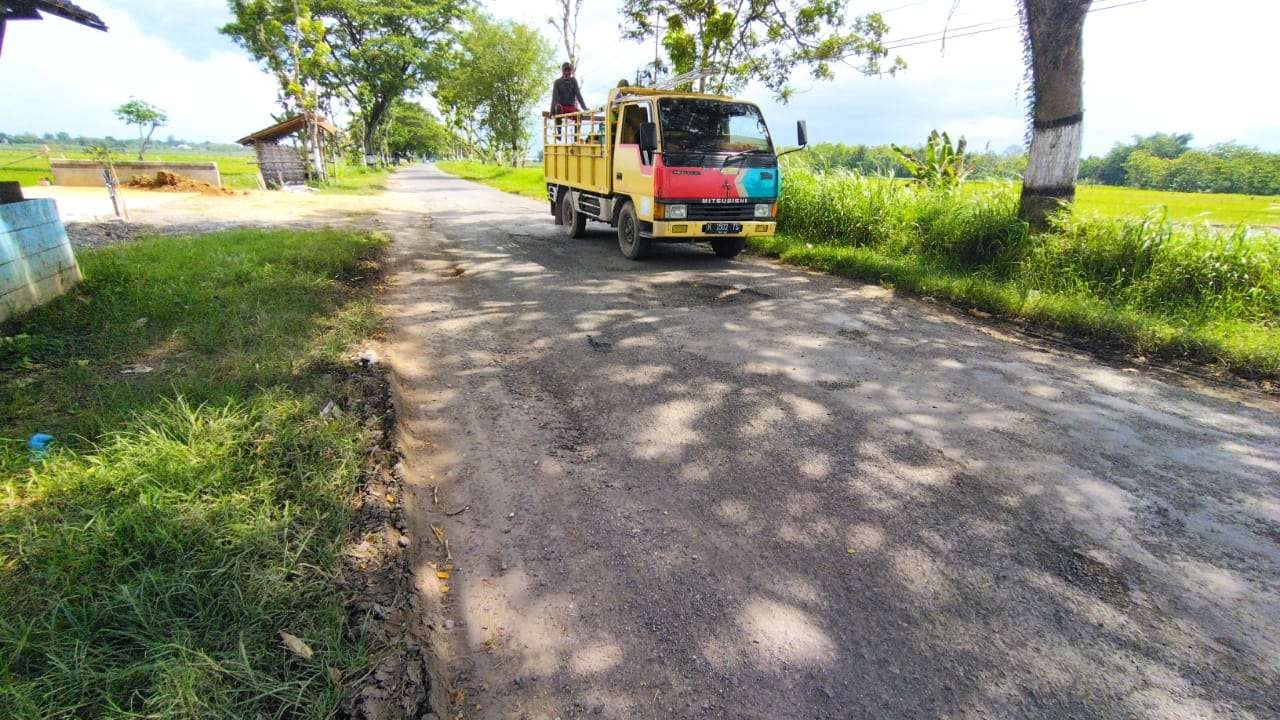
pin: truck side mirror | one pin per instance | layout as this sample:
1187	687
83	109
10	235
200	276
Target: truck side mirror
648	137
802	133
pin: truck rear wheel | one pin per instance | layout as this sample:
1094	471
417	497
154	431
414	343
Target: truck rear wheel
728	247
574	222
629	240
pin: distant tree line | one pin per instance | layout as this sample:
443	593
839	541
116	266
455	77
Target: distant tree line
67	140
1166	161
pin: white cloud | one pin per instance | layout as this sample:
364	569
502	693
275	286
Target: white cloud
1173	65
56	75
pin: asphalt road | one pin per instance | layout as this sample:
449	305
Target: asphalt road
690	487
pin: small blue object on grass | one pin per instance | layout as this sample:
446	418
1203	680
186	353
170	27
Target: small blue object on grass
39	444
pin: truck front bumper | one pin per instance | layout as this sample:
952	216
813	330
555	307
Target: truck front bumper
692	229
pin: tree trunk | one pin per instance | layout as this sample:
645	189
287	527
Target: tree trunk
1054	36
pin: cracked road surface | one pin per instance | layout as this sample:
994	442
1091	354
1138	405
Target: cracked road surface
691	487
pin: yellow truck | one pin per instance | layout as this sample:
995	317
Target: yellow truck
665	166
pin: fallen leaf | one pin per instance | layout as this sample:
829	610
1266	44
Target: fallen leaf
444	588
852	551
442	574
439	534
296	645
391	498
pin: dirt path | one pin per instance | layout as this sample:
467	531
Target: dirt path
691	488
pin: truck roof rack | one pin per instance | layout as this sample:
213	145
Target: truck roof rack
686	78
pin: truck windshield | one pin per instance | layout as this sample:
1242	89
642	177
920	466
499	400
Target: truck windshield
712	126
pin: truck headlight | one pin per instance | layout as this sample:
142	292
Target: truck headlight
676	212
764	210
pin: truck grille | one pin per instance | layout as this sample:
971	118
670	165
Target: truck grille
722	211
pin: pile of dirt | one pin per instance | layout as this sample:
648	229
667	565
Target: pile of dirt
173	182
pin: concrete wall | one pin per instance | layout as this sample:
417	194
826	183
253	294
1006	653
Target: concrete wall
88	173
37	263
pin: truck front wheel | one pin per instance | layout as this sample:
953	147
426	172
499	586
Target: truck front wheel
728	247
629	240
574	222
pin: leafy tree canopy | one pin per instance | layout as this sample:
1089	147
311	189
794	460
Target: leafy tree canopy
387	49
146	117
500	70
762	40
416	132
289	40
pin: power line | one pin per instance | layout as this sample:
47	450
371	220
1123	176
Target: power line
939	36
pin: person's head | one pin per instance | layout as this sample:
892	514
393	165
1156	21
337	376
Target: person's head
566	70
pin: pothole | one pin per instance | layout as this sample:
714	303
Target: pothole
697	293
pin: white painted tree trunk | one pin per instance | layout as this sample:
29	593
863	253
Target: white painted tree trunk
1052	165
1054	159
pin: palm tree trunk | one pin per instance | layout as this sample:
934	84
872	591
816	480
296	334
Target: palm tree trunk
1054	36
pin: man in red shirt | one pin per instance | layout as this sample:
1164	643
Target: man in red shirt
566	97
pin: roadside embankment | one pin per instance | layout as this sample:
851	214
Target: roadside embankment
175	550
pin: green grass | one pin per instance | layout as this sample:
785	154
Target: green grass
526	181
1220	209
238	171
1143	285
187	515
357	181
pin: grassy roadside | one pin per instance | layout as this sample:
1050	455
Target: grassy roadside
526	181
357	181
1141	285
195	500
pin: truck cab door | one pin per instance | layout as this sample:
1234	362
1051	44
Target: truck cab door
632	167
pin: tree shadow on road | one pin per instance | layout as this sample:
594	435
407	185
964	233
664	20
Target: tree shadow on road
760	493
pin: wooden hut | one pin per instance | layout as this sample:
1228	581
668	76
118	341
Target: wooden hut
32	9
284	164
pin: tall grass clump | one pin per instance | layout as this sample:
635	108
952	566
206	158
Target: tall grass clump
1145	284
1150	263
194	502
969	228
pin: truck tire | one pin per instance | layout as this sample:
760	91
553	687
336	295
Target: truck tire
728	247
574	222
630	242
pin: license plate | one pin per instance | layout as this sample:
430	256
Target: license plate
721	228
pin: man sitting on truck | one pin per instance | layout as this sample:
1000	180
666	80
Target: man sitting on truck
566	96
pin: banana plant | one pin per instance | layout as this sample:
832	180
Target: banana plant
942	164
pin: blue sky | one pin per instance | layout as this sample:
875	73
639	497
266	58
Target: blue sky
1172	65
